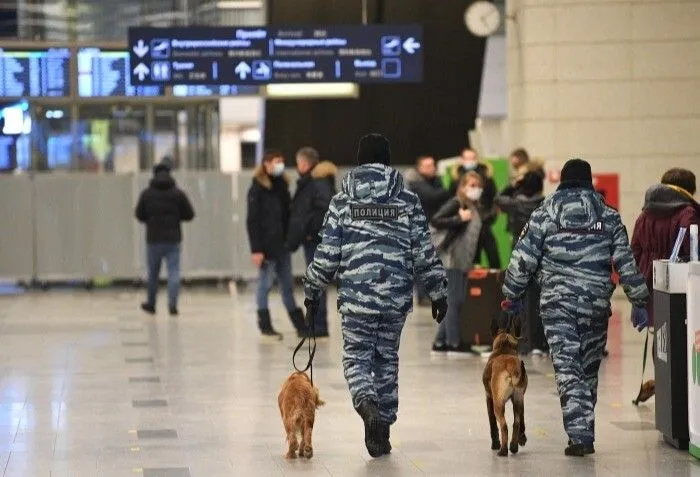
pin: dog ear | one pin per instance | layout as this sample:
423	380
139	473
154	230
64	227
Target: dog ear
494	327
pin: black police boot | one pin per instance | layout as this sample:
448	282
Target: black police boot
386	443
265	325
297	318
373	428
579	450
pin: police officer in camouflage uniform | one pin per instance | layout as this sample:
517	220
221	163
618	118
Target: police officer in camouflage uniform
568	246
375	237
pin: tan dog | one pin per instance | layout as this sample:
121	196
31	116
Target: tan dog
505	379
298	401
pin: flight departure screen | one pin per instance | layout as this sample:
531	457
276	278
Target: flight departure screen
34	73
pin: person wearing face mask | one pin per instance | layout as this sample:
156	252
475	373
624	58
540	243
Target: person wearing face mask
267	223
469	161
457	227
315	189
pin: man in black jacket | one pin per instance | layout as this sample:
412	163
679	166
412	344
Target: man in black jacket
315	189
162	207
424	182
267	223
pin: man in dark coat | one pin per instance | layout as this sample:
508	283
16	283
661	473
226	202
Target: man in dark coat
163	207
424	182
667	207
267	223
315	189
519	201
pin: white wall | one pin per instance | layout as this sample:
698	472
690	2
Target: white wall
614	82
237	115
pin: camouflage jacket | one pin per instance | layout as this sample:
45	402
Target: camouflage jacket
375	237
570	244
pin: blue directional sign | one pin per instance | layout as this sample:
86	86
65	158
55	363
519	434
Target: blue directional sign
262	55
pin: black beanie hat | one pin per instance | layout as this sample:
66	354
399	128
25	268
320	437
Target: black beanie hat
374	148
577	170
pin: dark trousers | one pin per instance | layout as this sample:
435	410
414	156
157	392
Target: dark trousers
321	318
156	253
487	243
534	329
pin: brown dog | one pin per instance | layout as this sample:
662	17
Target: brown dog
298	401
505	379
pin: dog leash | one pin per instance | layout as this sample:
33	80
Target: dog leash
308	338
644	367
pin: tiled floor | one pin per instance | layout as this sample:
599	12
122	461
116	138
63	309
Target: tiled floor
90	387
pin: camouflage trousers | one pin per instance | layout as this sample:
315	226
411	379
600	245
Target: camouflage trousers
576	344
371	360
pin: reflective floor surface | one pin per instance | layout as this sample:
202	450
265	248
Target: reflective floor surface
91	387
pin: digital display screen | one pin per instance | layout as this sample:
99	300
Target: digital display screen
105	73
264	55
34	73
181	90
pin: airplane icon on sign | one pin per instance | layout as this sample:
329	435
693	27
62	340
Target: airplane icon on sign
160	48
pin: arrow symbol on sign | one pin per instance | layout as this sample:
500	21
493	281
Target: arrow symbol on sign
411	45
242	70
141	71
141	49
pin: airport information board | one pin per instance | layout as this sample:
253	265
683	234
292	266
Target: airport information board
184	91
105	73
262	55
34	73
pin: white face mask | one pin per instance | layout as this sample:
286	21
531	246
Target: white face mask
474	193
278	169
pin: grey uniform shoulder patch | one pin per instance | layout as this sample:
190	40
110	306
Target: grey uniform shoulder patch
374	212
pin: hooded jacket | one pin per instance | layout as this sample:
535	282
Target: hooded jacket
267	219
570	244
375	238
163	207
430	191
310	204
666	209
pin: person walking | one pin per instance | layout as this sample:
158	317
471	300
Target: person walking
163	206
668	206
375	237
570	244
424	182
267	223
518	201
457	230
315	189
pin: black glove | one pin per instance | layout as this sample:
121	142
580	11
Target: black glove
439	309
311	309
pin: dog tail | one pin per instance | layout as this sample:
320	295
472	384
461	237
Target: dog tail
319	402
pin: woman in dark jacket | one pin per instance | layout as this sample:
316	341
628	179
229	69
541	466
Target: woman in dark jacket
267	223
457	228
667	207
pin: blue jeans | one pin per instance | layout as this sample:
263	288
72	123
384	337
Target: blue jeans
449	331
155	254
282	268
321	318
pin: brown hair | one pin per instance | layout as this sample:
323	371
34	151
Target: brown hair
270	154
679	177
469	175
521	154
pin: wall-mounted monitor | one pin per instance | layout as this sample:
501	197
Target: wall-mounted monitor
34	73
105	73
